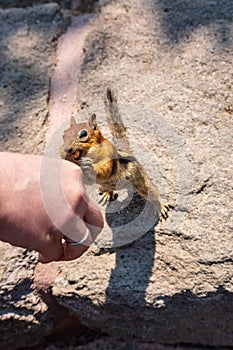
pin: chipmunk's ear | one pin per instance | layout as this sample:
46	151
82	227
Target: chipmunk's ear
92	122
72	121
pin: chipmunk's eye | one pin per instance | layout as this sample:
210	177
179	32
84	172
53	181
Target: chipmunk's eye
83	133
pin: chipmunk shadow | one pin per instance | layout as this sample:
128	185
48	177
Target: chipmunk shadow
134	244
129	218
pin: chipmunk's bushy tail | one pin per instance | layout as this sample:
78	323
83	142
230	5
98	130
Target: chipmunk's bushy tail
115	122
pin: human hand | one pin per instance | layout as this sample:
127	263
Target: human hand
46	224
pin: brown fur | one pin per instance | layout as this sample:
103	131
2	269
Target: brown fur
110	167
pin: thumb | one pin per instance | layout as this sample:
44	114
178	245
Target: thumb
52	252
71	252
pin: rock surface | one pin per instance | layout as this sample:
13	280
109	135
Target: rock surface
28	46
27	37
24	318
171	286
173	80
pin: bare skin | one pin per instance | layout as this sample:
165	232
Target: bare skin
24	221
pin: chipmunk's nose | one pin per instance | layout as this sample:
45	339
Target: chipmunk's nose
69	150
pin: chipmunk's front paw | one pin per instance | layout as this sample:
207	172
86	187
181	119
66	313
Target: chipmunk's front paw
89	175
107	197
164	212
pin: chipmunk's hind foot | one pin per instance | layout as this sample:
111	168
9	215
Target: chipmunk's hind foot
107	197
164	212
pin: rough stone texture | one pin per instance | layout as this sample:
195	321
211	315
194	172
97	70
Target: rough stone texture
75	6
27	50
63	87
176	285
22	313
173	81
28	41
113	344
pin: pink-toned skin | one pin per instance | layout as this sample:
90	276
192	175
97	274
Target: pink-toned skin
24	221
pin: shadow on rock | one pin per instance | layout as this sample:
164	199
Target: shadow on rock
133	234
181	18
27	44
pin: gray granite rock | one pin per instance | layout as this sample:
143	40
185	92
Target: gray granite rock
171	66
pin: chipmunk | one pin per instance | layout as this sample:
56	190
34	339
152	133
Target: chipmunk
104	163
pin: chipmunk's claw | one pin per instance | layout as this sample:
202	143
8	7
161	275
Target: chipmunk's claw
164	212
107	197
